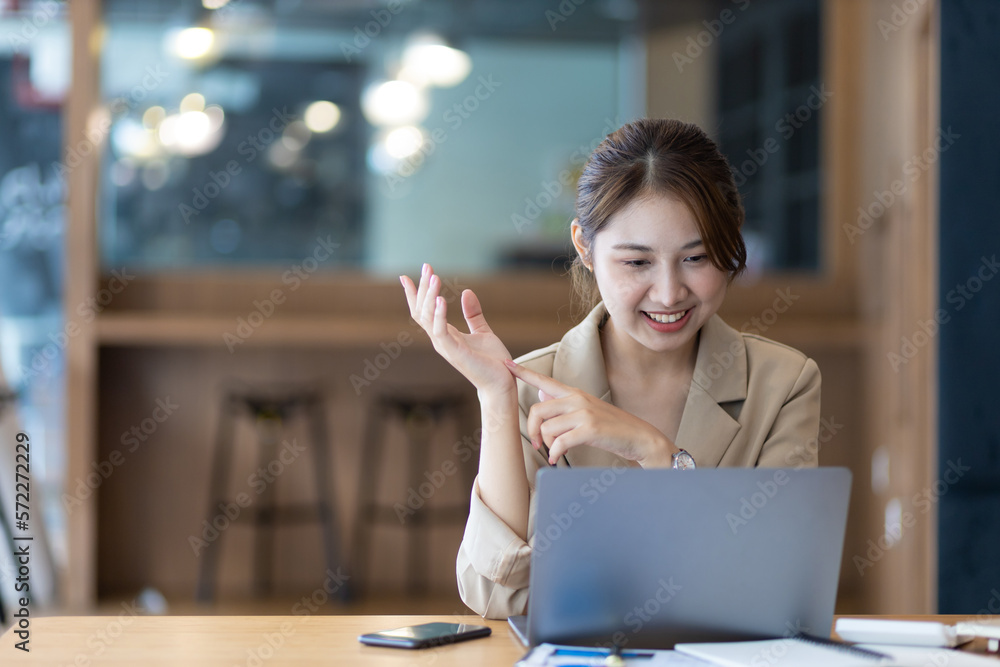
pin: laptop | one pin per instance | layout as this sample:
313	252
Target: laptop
650	558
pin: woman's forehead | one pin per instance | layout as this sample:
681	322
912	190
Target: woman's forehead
652	221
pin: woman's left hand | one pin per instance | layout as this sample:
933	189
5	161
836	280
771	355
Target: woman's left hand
567	417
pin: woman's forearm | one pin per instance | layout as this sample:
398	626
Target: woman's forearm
503	484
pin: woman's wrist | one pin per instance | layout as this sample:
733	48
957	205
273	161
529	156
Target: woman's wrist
498	405
660	453
501	395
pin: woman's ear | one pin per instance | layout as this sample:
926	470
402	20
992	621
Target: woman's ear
576	231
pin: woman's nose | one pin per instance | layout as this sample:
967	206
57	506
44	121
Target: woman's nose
670	288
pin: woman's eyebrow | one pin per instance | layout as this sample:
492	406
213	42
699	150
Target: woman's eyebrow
639	247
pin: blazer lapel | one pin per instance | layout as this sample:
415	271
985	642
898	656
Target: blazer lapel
706	430
579	362
720	376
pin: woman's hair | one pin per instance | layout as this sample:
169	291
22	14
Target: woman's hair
660	157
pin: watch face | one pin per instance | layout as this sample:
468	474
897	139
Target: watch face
683	461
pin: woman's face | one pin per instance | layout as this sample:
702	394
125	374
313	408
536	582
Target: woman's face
654	274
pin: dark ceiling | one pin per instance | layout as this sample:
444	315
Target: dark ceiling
590	20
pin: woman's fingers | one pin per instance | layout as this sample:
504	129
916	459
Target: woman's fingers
430	302
426	306
425	273
560	434
473	312
410	290
560	446
553	388
549	407
440	327
477	355
545	421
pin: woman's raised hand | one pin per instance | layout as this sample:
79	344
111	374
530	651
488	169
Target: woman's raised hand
478	355
566	417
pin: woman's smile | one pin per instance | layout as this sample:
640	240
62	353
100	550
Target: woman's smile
668	322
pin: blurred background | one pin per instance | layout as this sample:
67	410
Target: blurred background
205	205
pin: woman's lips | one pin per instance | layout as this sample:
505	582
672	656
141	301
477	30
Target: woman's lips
672	323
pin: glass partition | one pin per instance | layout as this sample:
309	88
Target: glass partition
34	77
249	133
771	98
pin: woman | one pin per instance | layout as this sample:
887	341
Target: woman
652	377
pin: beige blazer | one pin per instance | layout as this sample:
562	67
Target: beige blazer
752	403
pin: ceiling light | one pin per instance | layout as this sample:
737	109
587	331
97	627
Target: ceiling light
192	43
322	116
131	139
153	116
193	102
394	103
428	59
296	136
191	132
403	142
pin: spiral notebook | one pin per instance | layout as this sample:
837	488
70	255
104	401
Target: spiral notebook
797	650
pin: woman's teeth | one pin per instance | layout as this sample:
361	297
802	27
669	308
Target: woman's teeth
666	319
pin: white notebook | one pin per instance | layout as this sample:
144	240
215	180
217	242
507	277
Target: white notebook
795	651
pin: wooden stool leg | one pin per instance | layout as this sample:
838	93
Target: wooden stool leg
422	418
420	421
268	437
365	513
10	544
469	468
324	490
216	495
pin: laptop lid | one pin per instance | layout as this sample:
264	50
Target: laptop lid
650	558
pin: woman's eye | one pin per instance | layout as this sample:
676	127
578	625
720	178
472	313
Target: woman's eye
696	259
635	262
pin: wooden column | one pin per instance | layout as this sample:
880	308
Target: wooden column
84	134
898	285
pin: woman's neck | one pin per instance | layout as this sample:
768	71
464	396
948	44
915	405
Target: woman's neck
625	356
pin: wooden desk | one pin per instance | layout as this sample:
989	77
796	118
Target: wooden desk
247	641
254	641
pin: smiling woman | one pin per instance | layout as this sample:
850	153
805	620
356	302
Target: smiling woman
623	169
652	377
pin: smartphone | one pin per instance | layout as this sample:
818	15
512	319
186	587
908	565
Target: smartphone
425	635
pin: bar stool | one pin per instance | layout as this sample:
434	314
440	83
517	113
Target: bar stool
420	414
270	411
8	545
6	397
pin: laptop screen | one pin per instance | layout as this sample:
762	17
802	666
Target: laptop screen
650	558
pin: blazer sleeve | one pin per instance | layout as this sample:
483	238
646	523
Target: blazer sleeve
793	441
493	564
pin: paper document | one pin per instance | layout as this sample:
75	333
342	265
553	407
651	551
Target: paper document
551	655
796	651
